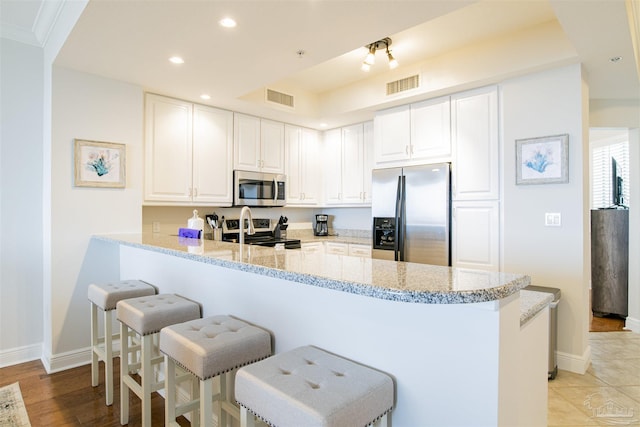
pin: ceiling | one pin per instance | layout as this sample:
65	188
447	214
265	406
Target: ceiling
132	41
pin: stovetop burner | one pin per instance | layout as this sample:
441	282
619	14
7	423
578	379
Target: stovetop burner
263	236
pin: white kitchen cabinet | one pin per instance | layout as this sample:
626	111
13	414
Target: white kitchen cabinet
431	129
312	247
392	134
476	235
414	132
187	153
302	166
360	250
348	165
258	144
476	145
336	248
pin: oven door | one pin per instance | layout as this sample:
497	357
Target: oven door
258	189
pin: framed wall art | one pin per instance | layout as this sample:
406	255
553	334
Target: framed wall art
99	164
543	160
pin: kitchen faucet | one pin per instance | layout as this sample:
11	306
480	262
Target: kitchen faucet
245	211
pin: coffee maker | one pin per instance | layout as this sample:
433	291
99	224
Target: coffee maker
322	225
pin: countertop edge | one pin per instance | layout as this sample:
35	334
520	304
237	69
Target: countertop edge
379	292
531	303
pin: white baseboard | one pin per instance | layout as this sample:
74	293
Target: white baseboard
14	356
632	324
572	363
63	361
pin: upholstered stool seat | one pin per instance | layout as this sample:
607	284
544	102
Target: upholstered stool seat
310	387
208	348
146	316
105	296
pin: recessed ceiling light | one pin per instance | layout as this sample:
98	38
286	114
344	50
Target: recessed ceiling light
176	60
205	96
228	22
616	59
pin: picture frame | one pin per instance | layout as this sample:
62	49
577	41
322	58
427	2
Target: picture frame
543	160
99	164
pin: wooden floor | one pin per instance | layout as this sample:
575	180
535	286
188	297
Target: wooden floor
67	398
606	324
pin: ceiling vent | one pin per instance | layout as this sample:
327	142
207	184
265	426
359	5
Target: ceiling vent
280	98
401	85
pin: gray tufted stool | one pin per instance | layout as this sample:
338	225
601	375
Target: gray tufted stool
105	296
146	316
209	348
310	387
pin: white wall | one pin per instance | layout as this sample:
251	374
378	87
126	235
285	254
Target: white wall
550	103
99	109
21	157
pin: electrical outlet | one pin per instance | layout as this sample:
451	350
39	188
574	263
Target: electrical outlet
552	219
155	227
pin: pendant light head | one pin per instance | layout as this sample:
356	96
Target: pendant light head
370	59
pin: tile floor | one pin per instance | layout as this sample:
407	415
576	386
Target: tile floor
608	393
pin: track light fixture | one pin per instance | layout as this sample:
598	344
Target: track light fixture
370	59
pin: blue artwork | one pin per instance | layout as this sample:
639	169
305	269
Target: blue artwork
539	161
101	162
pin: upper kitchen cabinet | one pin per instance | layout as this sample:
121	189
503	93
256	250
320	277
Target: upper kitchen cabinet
258	144
188	153
348	164
476	145
302	166
415	132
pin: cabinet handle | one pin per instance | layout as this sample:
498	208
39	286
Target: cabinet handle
406	149
411	148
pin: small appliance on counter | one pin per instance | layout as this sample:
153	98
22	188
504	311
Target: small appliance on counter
322	225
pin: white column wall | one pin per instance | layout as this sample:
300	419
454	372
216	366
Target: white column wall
550	103
21	157
93	108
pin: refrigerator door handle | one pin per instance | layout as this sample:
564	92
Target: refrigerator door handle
403	214
397	232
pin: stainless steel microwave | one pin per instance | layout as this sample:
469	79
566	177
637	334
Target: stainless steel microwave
258	189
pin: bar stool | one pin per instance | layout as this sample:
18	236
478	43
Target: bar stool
209	348
310	387
146	316
104	296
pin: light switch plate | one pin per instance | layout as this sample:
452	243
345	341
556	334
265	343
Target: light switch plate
552	219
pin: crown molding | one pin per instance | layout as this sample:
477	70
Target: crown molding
43	22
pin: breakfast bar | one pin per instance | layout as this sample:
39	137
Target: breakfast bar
450	338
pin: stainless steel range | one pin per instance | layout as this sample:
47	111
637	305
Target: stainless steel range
265	235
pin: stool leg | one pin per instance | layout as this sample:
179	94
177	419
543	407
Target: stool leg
108	362
246	418
95	360
206	406
170	391
195	395
124	371
147	379
222	413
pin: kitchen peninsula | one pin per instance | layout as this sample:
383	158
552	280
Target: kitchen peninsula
450	338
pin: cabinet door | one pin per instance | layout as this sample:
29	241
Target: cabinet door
167	149
310	174
476	235
212	155
332	148
475	138
272	146
352	164
368	162
431	129
392	134
246	142
293	164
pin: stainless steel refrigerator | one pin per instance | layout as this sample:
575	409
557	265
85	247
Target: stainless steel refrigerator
411	209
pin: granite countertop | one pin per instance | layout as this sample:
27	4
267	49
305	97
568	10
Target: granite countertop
531	302
389	280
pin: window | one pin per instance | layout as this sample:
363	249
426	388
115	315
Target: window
602	150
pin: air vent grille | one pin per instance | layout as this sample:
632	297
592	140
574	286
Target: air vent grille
279	98
401	85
